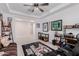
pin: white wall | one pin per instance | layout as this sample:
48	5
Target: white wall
69	15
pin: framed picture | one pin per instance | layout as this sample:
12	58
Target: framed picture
56	25
38	25
9	19
45	27
39	35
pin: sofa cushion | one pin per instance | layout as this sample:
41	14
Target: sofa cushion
5	42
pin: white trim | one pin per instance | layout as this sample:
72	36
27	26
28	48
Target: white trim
43	15
16	12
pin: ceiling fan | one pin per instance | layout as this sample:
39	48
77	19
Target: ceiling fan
36	5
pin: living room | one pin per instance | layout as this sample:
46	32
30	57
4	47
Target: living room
39	29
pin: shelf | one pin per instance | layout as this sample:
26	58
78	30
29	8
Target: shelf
5	35
6	31
71	27
6	26
70	44
70	38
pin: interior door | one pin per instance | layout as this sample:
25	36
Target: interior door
23	32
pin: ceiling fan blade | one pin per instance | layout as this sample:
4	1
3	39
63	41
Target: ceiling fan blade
27	5
41	9
44	4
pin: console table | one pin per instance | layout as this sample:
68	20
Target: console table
43	36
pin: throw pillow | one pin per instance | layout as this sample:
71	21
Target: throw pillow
5	41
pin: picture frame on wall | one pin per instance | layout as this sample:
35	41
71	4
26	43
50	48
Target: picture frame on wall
56	25
9	19
45	27
38	25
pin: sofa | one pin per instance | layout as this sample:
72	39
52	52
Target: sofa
10	50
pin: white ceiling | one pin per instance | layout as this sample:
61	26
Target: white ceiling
27	9
19	8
